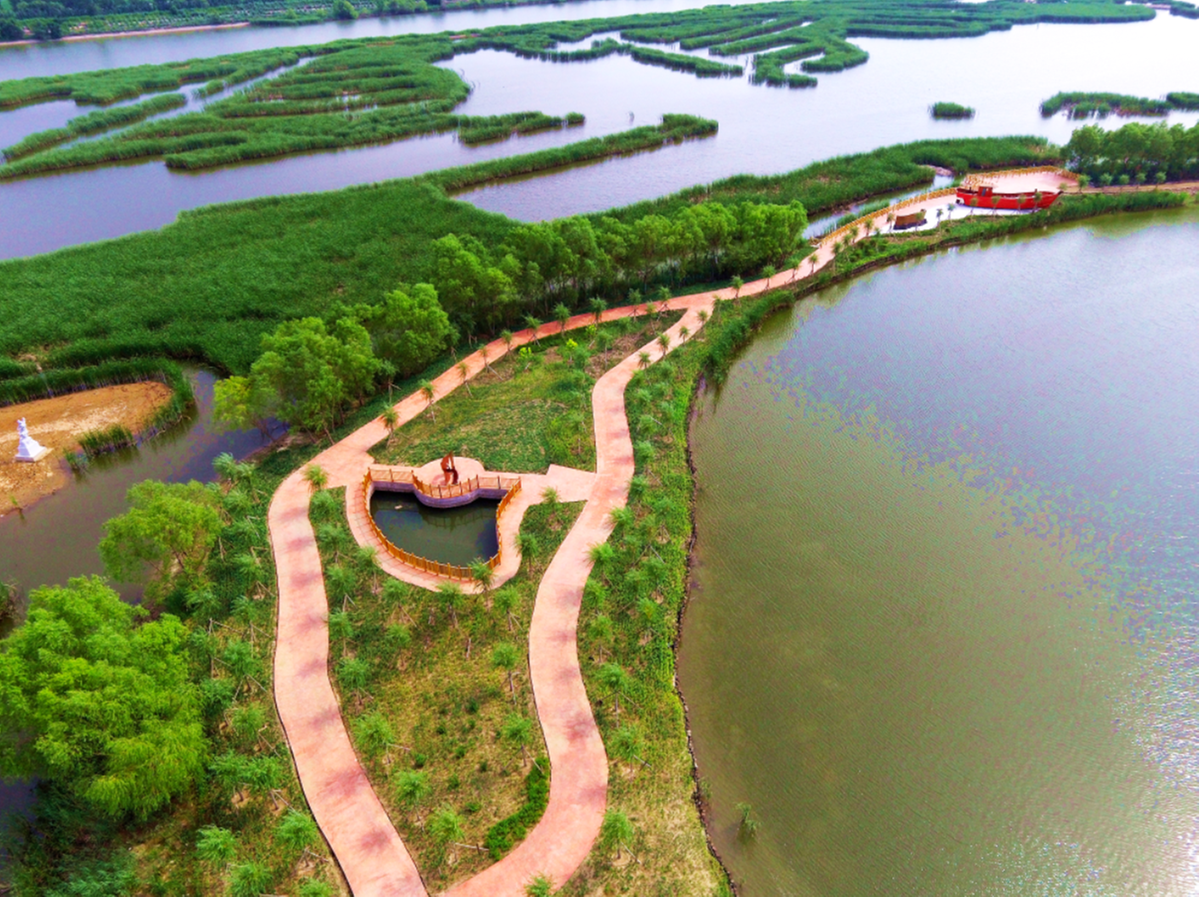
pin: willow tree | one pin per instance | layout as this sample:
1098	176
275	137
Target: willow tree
99	701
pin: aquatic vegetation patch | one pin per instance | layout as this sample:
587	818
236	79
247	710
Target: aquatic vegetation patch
1101	105
94	123
951	110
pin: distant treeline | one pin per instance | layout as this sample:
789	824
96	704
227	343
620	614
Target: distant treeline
1101	105
1135	153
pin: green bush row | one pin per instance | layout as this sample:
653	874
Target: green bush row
504	834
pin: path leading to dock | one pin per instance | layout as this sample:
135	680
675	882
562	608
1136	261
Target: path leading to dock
352	818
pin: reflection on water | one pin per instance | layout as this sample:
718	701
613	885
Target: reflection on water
450	535
950	649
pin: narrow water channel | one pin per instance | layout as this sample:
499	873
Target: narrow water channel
943	623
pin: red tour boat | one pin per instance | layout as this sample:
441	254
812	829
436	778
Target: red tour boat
981	193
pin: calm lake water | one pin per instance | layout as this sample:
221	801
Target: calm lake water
762	130
942	635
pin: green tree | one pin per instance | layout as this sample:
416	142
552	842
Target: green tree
616	680
426	391
504	656
98	703
446	827
616	832
252	879
518	729
165	537
313	373
452	597
374	734
296	831
216	846
409	329
343	9
412	786
240	403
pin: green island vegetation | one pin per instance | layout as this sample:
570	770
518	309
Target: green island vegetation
1101	105
357	92
1183	101
325	306
951	110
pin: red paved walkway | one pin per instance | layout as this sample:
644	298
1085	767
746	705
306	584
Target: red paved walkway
371	854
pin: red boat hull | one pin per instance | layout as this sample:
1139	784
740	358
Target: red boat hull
985	197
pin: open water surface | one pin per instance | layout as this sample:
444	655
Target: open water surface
943	625
451	535
763	130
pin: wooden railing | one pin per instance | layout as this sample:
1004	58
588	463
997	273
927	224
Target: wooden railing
881	213
972	180
457	490
437	568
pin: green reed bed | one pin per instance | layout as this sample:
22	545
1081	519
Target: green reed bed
111	85
1087	105
945	110
94	123
768	67
209	285
352	93
679	62
1181	100
674	129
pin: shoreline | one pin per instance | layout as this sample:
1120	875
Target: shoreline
100	35
788	295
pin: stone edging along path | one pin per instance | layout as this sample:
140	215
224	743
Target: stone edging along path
347	809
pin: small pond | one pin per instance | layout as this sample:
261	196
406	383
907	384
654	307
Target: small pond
450	535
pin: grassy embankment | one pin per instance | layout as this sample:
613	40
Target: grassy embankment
1081	104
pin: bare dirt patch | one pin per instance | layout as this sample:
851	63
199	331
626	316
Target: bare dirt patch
57	423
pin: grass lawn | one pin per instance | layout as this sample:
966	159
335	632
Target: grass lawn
530	411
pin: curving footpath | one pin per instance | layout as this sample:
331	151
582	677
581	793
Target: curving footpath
360	834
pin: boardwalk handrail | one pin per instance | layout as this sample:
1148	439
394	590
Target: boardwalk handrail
973	179
437	568
879	213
